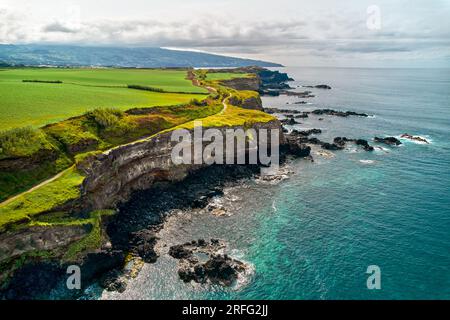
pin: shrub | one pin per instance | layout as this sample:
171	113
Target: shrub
22	142
105	118
146	88
197	102
73	135
43	81
112	122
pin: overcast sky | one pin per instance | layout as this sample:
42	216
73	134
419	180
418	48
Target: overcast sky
396	33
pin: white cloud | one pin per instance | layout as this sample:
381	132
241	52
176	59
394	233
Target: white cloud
318	33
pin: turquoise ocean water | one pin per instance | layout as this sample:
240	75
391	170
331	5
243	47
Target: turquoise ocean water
312	236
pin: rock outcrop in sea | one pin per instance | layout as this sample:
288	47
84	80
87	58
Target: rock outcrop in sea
392	141
202	261
414	138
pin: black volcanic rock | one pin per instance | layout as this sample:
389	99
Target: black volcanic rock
303	115
364	144
270	77
218	268
414	138
180	252
282	111
388	140
298	149
289	121
273	82
142	243
341	142
322	86
331	146
332	112
112	281
307	132
319	86
314	141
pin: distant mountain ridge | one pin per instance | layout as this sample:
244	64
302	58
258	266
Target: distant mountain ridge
127	57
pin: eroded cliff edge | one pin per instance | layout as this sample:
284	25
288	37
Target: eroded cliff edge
76	229
111	177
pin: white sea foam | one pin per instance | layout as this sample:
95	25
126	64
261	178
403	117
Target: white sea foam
282	174
352	150
246	276
381	149
274	207
325	154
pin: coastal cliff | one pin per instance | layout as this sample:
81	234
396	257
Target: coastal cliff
110	179
252	84
75	230
113	176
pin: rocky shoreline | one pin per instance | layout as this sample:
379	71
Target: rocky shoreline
133	236
201	261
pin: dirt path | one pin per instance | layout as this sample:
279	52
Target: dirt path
224	103
43	183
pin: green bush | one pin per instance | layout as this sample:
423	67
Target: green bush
108	117
111	122
43	81
22	142
73	135
146	88
198	103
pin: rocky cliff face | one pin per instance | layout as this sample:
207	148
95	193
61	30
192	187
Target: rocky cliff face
111	177
40	238
34	241
253	103
264	81
252	84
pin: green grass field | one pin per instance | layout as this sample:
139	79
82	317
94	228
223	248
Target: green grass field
226	75
36	104
168	80
43	199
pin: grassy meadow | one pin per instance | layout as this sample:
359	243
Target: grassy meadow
38	103
168	80
211	76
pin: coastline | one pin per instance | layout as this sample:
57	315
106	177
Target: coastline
371	164
127	238
98	192
296	239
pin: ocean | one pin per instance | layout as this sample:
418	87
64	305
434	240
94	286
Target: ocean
314	234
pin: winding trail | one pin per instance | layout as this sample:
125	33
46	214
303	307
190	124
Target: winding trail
224	103
43	183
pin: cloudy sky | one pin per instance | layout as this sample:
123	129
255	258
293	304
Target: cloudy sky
375	33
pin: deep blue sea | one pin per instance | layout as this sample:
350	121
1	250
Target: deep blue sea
313	235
